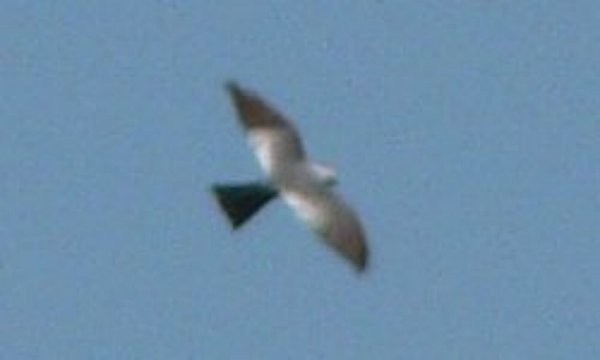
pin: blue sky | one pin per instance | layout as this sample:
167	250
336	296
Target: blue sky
466	134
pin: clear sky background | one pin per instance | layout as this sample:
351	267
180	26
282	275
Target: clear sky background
465	133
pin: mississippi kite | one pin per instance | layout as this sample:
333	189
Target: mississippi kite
305	186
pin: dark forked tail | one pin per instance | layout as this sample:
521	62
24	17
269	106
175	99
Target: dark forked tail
241	201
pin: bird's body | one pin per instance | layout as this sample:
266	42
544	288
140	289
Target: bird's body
305	186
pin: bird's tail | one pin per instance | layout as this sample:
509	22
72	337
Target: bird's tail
241	201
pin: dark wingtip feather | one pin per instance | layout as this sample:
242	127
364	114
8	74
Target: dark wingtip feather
362	263
233	87
252	111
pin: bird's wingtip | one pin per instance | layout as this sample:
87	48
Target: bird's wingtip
232	86
362	265
361	261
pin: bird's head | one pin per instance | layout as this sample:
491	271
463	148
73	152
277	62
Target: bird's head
325	174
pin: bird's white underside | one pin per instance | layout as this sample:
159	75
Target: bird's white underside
266	144
269	146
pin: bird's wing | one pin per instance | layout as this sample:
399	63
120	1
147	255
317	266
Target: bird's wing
329	216
273	137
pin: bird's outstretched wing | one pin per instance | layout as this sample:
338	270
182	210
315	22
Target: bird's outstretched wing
329	216
273	138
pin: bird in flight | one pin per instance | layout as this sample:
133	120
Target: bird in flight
304	185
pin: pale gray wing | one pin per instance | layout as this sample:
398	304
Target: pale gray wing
329	216
273	137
